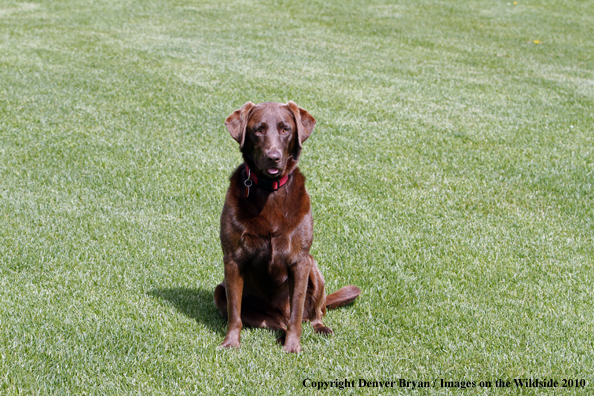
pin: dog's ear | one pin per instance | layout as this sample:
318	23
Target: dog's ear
236	123
305	122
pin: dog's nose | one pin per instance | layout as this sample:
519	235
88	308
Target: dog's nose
274	155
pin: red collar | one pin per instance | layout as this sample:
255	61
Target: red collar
270	185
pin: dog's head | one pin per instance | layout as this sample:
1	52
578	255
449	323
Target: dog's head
270	135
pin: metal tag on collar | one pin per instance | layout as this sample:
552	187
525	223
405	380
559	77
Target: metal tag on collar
248	183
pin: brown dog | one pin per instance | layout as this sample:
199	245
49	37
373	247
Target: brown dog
271	280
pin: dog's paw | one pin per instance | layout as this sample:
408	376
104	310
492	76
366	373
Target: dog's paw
230	343
321	329
292	347
291	343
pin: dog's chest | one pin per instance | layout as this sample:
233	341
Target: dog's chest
270	238
279	216
266	242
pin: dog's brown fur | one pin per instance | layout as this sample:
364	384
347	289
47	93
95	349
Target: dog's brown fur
271	280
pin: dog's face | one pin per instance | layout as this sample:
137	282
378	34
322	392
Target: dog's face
270	135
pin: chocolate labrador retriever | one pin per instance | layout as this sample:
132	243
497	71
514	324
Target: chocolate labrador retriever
271	280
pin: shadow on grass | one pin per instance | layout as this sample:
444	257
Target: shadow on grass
197	304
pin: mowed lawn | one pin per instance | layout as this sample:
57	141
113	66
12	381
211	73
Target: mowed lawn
451	175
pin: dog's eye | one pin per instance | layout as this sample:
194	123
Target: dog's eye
285	129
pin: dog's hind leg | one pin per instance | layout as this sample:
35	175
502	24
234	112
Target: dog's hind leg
220	299
317	298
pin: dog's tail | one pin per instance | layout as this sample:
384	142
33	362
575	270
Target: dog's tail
344	296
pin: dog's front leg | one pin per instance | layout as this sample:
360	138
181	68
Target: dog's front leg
234	291
298	277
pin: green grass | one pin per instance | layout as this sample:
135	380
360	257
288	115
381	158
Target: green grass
450	171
